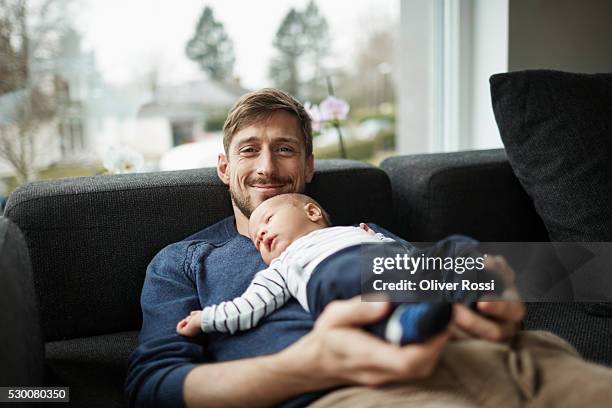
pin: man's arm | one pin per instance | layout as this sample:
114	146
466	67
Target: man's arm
335	352
158	366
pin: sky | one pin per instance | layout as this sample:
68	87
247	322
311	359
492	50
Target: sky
129	38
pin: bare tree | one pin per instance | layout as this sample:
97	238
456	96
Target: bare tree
20	139
14	44
31	93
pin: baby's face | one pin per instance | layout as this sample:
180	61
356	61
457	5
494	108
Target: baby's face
275	224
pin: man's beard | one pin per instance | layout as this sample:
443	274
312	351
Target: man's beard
244	204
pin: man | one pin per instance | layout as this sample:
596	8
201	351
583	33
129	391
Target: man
268	151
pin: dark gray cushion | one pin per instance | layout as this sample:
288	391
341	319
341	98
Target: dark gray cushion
21	346
92	238
557	130
473	193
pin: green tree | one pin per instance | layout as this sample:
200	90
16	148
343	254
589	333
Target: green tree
289	42
211	47
302	44
318	42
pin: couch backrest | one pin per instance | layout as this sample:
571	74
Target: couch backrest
91	238
472	192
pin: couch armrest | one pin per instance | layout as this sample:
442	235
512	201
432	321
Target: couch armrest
21	347
473	193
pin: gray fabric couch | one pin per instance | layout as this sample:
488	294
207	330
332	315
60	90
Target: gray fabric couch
90	240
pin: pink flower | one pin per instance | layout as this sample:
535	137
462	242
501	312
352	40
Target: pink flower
315	116
333	108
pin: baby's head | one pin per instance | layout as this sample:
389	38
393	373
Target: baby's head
280	220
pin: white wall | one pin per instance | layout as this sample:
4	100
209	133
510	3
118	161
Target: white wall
415	77
567	35
489	56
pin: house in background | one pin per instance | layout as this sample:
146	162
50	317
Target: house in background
185	122
185	109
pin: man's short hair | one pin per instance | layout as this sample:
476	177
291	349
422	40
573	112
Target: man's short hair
259	105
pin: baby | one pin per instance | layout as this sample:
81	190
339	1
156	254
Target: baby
316	264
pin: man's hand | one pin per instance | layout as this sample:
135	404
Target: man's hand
335	352
503	319
338	352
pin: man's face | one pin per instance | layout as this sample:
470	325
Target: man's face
265	159
275	224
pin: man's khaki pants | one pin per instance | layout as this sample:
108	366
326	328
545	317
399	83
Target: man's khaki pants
536	369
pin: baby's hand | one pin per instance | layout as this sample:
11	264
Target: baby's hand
191	325
367	229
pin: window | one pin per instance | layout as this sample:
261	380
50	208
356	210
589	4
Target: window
448	49
143	79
